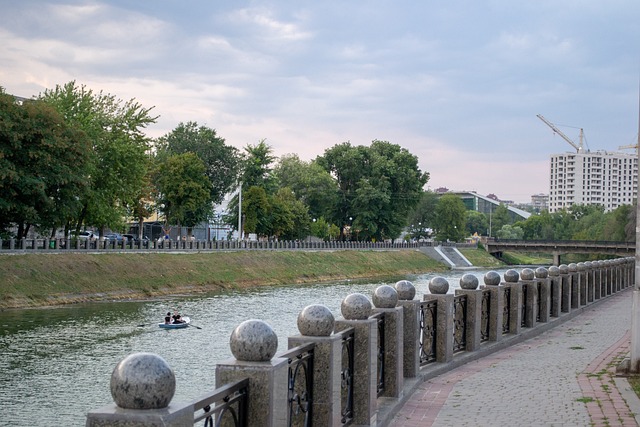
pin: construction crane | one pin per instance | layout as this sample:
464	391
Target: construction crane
579	148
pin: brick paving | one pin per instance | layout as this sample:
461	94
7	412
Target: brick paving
563	377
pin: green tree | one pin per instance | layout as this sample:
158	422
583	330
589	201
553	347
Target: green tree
42	166
499	217
255	212
115	129
510	232
450	218
222	161
422	216
183	190
378	186
476	222
310	183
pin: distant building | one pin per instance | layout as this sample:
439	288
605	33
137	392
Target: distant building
590	178
540	202
475	202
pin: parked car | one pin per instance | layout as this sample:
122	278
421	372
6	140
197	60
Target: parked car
113	236
86	235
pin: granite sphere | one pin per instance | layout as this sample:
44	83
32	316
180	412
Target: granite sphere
143	381
511	276
316	321
406	290
554	271
356	307
564	268
581	266
573	267
385	296
492	278
469	282
438	285
527	274
253	341
542	273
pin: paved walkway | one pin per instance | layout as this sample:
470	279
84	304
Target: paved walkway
564	377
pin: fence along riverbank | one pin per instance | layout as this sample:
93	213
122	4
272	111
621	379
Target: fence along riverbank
361	368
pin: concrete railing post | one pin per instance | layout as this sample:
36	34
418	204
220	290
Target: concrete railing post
582	280
356	309
512	281
544	294
385	300
253	344
589	273
565	276
575	285
469	287
531	294
496	304
411	321
555	290
316	324
597	280
438	286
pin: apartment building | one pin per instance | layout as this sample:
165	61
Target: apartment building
588	178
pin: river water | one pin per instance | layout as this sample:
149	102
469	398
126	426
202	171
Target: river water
56	363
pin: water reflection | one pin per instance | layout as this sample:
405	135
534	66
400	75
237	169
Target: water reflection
57	362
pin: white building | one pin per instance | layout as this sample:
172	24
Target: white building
589	178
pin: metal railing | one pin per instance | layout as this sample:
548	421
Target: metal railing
227	404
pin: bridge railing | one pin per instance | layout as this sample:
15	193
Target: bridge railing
352	370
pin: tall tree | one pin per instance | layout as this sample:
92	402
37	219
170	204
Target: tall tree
422	217
450	218
222	161
378	186
183	190
42	166
115	129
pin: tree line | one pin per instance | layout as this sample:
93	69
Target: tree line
72	158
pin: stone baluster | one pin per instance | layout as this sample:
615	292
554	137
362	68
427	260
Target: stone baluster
411	321
565	306
496	304
356	309
142	386
316	324
530	289
253	344
590	288
438	286
597	279
544	294
512	280
575	285
555	285
582	280
469	287
385	300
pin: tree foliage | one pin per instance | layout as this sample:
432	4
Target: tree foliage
450	218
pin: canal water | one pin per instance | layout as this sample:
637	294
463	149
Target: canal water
56	363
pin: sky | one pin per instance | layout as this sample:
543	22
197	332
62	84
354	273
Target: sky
456	83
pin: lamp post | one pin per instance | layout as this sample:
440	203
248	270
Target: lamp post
634	357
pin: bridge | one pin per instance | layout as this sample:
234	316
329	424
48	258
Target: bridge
561	247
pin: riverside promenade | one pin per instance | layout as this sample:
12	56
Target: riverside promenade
563	377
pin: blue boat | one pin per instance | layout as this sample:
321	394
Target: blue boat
184	324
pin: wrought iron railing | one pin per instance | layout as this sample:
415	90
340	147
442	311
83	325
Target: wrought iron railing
300	384
347	379
523	318
428	319
227	405
460	304
381	353
485	315
506	311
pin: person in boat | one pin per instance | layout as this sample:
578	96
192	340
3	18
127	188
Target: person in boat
177	318
167	318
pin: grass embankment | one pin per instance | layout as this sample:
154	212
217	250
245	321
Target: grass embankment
46	279
32	280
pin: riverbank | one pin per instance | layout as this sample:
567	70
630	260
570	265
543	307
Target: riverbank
36	280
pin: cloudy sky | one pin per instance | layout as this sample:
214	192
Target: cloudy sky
457	83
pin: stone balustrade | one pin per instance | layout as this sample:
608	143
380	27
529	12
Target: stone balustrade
360	369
